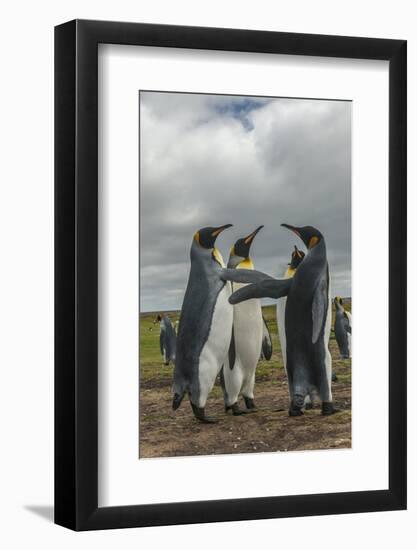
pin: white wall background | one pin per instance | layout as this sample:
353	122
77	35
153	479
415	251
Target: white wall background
26	277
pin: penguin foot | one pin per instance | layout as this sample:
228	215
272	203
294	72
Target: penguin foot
309	406
176	402
200	414
235	409
295	411
327	408
250	404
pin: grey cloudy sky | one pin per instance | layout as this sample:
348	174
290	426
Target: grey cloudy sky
208	160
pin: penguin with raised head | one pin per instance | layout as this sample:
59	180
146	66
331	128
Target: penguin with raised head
343	328
297	257
205	326
246	342
307	320
266	351
167	338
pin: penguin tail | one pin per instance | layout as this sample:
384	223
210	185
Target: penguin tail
177	400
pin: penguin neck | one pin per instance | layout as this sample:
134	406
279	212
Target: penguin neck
290	272
246	264
317	253
234	261
319	247
205	258
217	256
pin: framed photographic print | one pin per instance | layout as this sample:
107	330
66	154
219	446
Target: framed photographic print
230	275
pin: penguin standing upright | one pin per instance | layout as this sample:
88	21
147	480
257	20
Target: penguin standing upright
167	338
343	329
297	257
307	320
266	351
205	326
246	343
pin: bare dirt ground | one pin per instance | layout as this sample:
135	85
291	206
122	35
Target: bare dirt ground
165	433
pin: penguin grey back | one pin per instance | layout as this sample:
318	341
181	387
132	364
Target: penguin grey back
203	288
305	331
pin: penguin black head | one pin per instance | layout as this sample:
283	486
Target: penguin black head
297	257
308	234
158	319
206	237
242	246
338	301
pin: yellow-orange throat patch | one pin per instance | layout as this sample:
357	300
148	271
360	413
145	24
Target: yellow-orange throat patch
218	257
289	274
246	264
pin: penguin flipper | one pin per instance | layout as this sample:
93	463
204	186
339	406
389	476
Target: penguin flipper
319	309
266	342
244	275
161	342
269	288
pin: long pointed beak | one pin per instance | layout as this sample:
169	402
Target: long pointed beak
218	230
292	228
249	238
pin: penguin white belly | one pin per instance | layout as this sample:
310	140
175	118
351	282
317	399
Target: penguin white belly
248	331
349	334
216	347
282	302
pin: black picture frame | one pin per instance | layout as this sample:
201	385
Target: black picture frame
76	272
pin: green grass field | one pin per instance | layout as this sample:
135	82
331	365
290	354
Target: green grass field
164	432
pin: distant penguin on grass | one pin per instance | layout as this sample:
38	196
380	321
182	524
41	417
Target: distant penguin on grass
247	335
205	326
167	338
266	351
343	329
307	320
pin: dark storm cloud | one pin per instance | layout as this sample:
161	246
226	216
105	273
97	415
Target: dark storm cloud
211	160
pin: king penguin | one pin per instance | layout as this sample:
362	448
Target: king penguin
307	320
343	329
167	338
246	342
205	327
297	257
266	351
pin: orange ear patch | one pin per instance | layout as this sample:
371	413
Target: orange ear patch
197	237
313	242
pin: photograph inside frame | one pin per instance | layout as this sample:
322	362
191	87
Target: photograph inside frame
245	274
